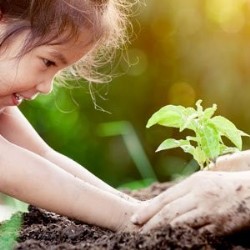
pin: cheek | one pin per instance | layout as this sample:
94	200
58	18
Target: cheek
7	80
15	72
27	73
21	79
18	75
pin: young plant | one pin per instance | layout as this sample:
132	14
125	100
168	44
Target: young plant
206	144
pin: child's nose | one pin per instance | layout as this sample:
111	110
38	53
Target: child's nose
45	87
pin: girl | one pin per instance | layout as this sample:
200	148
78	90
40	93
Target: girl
38	40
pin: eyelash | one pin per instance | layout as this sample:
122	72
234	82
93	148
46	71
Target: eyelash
48	63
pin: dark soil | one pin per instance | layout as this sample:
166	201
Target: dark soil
44	230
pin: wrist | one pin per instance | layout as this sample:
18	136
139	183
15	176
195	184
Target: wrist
124	223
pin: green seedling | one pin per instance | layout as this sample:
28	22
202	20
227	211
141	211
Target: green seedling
207	142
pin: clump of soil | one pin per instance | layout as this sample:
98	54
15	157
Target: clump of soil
45	230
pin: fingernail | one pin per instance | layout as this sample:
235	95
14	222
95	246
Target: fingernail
134	219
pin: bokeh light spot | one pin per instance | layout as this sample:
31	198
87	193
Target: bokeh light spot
182	93
227	13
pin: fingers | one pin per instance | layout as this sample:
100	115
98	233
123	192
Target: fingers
203	202
211	228
171	212
216	229
195	218
198	219
156	204
145	213
232	162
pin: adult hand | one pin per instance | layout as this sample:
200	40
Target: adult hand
239	161
218	202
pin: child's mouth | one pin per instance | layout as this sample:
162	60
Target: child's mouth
17	99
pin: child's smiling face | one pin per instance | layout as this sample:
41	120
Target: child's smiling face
32	74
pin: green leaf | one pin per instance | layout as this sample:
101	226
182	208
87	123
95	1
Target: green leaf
168	144
209	112
189	117
227	150
169	116
187	148
172	143
198	106
209	140
9	231
243	133
229	130
191	138
200	156
208	131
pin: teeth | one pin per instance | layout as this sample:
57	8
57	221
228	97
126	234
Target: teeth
18	97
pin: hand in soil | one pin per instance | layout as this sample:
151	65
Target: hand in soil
239	161
218	202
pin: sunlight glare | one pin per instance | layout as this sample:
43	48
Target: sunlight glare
227	13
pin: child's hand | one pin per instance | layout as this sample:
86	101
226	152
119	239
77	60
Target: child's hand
214	201
125	224
128	226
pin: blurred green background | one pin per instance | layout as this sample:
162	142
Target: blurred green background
181	51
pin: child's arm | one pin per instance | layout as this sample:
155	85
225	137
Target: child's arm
82	173
15	128
35	180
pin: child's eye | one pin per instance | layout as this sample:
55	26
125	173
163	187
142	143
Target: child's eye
48	63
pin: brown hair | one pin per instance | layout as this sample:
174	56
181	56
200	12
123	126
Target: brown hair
48	20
